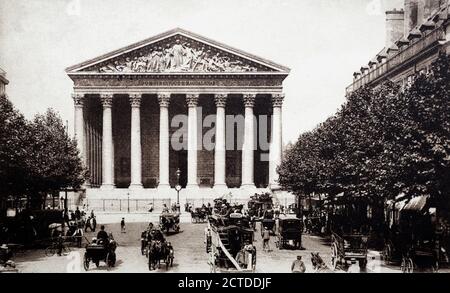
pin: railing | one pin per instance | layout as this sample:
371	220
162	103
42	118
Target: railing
127	205
399	58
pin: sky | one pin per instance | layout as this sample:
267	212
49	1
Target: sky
322	41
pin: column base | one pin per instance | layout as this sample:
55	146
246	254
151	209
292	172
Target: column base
164	187
135	186
248	186
107	187
192	187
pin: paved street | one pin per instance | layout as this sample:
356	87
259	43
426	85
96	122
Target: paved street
190	255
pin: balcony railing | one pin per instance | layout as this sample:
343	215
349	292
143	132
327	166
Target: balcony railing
399	58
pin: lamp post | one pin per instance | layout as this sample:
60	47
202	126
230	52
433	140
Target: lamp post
128	205
178	188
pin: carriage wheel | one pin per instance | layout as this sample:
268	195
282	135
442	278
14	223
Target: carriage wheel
334	256
50	251
407	266
86	262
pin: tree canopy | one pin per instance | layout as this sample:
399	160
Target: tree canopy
382	142
37	157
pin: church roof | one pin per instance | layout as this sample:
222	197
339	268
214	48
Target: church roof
177	51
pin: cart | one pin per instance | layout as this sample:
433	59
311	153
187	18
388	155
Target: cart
230	245
289	229
169	221
413	238
348	248
100	252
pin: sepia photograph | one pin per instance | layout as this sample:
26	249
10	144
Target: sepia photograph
246	136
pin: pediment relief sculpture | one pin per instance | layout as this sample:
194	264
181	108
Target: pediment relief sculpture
178	54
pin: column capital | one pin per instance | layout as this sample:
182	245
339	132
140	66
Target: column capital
135	100
78	99
249	100
106	100
220	100
277	100
192	100
164	100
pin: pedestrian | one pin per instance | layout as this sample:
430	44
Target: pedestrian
94	223
88	225
122	226
77	214
298	266
78	235
266	239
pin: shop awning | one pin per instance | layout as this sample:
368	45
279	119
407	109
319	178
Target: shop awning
416	204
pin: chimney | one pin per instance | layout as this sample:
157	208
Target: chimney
395	20
411	15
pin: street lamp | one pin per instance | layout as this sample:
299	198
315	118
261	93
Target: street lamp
178	188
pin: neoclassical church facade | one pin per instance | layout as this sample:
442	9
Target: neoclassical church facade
178	109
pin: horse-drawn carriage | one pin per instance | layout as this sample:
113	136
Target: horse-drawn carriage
414	235
199	215
230	244
289	229
348	248
349	233
157	251
101	250
155	247
168	221
258	204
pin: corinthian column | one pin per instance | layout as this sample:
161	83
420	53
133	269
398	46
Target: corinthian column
276	144
220	149
136	152
192	101
164	101
78	100
249	143
107	142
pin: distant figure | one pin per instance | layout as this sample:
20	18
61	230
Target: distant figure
122	226
77	214
150	207
266	239
94	223
88	225
298	266
165	209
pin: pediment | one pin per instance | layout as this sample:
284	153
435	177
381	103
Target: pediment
177	51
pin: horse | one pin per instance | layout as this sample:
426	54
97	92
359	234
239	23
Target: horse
318	264
153	254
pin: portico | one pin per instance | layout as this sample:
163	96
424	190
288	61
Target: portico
210	110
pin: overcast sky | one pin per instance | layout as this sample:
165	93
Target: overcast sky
322	41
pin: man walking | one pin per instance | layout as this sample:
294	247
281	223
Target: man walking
266	239
122	225
298	266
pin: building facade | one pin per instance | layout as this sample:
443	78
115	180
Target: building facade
146	114
415	35
3	82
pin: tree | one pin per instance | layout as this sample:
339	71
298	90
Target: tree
54	160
